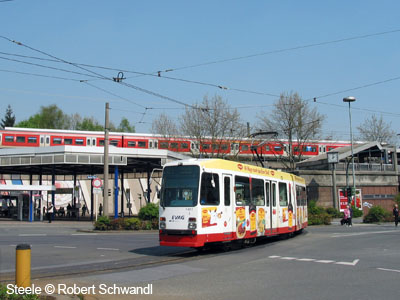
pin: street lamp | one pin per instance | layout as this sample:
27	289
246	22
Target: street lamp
349	100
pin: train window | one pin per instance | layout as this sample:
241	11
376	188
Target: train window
101	143
267	192
267	148
209	189
257	192
184	146
224	147
163	145
245	147
277	148
67	141
88	142
131	144
142	144
155	144
20	139
296	149
114	143
32	140
283	201
215	146
9	138
57	141
41	140
227	191
151	144
47	140
174	145
205	146
78	141
242	190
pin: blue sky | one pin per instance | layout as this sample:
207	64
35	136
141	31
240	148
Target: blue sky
148	36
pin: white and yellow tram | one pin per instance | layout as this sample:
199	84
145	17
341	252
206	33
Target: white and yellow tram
212	200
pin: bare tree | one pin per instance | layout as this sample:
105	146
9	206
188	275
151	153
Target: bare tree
214	125
376	129
164	126
295	121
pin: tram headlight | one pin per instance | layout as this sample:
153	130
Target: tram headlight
192	223
163	225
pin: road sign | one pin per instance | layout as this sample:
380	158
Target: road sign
97	191
91	177
97	183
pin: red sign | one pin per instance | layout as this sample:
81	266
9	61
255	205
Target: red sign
343	199
97	183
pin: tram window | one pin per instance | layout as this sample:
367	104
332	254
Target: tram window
209	189
267	192
57	141
78	141
142	144
283	201
131	144
227	191
274	194
20	139
257	192
67	141
298	196
9	138
242	190
184	146
32	140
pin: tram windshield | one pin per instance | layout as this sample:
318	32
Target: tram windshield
180	186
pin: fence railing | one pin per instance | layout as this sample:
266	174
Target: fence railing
365	167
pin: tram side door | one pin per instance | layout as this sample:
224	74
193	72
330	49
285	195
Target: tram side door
228	207
274	213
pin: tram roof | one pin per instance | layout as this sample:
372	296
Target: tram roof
70	160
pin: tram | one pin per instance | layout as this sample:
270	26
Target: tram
208	201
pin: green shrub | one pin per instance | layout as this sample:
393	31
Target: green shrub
5	296
146	225
149	212
132	224
118	224
317	215
357	212
376	214
102	223
334	213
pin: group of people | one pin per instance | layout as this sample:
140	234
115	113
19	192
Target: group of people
347	217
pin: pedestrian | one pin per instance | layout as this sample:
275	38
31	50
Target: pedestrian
84	208
346	215
50	211
69	208
349	220
100	209
396	214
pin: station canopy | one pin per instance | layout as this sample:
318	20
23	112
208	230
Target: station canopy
75	160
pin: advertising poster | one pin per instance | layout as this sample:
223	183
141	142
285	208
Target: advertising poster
343	199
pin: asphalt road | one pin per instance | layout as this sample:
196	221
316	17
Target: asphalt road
327	262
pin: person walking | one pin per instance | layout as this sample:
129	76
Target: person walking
396	214
346	216
50	211
84	208
100	209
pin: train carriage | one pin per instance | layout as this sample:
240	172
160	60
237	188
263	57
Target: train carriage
212	200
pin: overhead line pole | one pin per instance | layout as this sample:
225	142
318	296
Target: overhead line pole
106	133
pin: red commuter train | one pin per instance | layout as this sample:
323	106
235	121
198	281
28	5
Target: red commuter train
27	137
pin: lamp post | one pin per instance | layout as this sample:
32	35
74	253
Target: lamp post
349	100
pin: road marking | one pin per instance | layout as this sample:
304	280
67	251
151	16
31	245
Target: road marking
84	234
335	235
32	234
389	270
322	261
348	263
65	247
325	261
108	249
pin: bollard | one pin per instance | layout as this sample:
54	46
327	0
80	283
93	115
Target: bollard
23	266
